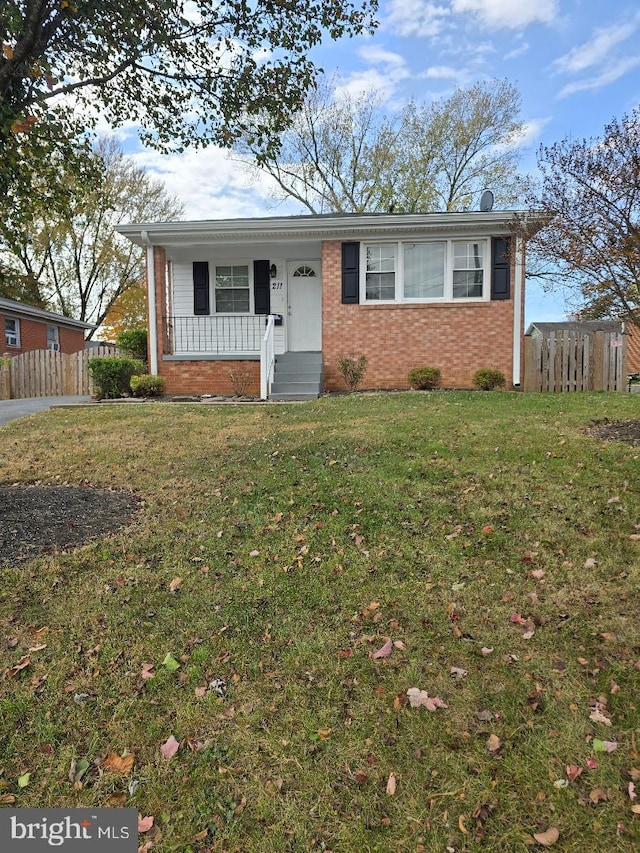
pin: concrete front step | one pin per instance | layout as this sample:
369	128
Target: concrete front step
293	386
298	376
291	398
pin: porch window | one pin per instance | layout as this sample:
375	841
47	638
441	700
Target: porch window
232	289
468	270
381	272
11	332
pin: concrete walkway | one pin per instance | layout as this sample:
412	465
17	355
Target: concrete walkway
11	410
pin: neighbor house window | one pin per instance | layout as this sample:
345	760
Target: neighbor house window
12	332
468	270
53	338
232	289
437	271
381	272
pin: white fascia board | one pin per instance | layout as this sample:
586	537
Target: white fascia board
340	227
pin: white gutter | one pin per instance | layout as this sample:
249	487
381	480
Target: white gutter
518	288
151	294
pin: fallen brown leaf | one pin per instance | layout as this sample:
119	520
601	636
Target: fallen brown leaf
547	838
493	744
121	764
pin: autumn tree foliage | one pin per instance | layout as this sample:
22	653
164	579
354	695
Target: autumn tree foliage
187	73
590	190
127	312
348	154
71	253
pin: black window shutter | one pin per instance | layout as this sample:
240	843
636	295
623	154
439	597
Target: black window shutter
261	288
501	268
350	273
201	287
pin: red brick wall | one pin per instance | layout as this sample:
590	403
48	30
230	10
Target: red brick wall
459	339
33	336
207	377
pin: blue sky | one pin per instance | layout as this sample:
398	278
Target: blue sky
576	64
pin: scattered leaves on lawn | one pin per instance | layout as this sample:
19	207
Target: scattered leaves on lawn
24	780
119	764
323	734
384	651
493	744
148	671
547	838
170	662
175	585
419	698
23	663
145	823
169	747
391	784
604	745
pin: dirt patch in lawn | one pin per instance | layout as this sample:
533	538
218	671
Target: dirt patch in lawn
627	431
36	520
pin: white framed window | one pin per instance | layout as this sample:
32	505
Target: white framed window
380	272
53	338
232	289
427	271
11	332
468	269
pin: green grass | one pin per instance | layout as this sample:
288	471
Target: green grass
412	516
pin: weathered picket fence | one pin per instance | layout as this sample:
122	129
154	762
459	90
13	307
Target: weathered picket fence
571	360
44	373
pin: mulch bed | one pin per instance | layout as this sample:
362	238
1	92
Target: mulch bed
36	520
627	431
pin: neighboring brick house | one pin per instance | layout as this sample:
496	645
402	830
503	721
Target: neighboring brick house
406	290
24	328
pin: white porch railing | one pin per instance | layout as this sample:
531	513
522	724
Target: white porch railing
267	359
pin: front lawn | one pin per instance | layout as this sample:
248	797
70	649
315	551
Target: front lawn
236	663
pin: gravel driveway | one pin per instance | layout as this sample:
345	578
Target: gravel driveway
10	410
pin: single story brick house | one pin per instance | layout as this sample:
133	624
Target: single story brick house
24	328
280	298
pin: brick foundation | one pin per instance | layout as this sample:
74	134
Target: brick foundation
208	377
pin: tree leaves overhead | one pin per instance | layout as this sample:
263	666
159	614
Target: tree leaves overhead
346	154
187	72
591	189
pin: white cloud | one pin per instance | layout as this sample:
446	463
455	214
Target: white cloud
417	17
507	14
531	132
597	49
383	81
211	184
517	51
614	71
443	72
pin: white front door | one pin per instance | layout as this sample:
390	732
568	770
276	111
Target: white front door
304	321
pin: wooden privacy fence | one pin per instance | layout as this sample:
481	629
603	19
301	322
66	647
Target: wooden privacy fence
44	373
570	360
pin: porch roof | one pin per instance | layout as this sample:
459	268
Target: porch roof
351	226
